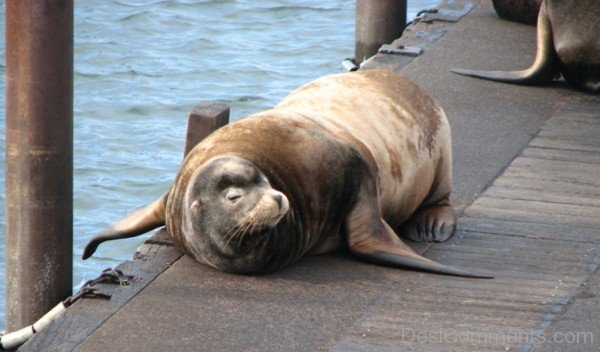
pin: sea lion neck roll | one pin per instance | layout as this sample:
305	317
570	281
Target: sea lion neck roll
336	165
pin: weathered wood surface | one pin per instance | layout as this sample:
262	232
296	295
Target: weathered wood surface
422	33
204	119
86	315
537	228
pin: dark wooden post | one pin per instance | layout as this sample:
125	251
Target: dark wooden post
378	22
204	119
39	157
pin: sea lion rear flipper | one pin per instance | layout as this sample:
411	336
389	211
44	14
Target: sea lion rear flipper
545	67
136	223
433	223
372	239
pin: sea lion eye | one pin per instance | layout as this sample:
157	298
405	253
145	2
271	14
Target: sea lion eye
233	197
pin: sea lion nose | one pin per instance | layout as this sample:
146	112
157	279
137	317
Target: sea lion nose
278	199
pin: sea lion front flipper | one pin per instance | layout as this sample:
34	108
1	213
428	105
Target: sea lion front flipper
136	223
545	67
372	239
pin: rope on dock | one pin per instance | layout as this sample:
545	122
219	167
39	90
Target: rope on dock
15	339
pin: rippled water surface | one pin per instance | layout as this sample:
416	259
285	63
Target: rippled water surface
140	65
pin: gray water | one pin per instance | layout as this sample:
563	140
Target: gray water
140	65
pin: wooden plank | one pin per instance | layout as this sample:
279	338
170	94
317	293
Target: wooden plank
487	239
558	251
532	217
579	138
514	247
535	298
581	156
528	229
429	340
535	207
547	196
409	312
525	287
584	179
576	189
499	266
459	336
86	315
534	212
414	311
462	297
565	144
489	296
584	173
575	120
484	295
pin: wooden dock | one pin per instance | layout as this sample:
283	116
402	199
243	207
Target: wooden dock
526	183
537	228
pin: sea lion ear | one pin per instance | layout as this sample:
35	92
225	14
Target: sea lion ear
195	205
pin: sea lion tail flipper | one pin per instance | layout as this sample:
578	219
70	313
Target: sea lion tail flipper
544	69
136	223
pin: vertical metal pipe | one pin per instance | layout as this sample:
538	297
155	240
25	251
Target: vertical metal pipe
39	157
378	22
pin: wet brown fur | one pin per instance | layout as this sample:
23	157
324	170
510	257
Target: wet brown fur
524	11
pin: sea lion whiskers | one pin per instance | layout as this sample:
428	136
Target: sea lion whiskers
246	225
252	229
234	232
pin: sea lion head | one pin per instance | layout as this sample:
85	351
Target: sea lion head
229	213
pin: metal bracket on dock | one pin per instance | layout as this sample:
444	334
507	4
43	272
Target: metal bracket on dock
446	14
401	50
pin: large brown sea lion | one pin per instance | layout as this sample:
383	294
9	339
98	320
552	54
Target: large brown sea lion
523	11
337	164
567	44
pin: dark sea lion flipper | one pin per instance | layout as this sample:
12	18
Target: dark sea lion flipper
545	67
136	223
372	239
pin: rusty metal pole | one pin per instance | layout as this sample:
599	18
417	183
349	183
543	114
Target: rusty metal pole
39	157
378	22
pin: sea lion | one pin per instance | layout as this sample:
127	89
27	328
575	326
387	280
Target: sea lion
567	43
523	11
336	164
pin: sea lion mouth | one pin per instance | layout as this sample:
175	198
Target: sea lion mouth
243	232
